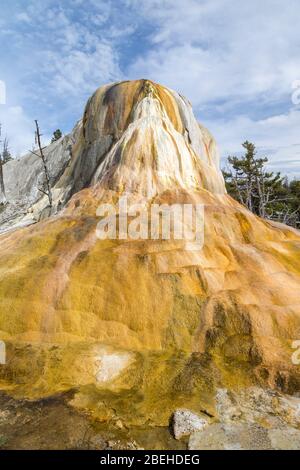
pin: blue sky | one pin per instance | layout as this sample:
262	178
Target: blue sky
235	60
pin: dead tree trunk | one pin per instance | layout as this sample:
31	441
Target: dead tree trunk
2	187
46	191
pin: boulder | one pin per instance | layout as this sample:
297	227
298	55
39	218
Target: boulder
185	423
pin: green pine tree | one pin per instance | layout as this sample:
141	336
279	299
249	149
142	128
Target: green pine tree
265	193
56	135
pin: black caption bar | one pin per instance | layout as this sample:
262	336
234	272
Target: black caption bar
132	459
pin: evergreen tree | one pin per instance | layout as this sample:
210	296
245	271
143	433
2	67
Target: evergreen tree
288	207
265	193
56	135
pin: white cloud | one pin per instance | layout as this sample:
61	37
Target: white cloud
18	127
227	56
236	61
222	49
276	137
73	54
81	72
53	67
23	16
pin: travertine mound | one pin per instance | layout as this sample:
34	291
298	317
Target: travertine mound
143	327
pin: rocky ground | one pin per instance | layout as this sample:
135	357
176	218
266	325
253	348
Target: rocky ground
253	419
245	437
53	424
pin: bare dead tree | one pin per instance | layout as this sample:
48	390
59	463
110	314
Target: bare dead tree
235	181
264	195
47	190
6	155
2	187
286	216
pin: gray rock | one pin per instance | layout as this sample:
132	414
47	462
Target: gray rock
96	442
285	439
231	437
185	422
243	436
23	178
257	405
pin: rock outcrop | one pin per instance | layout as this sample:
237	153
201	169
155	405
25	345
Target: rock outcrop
24	177
245	437
142	327
252	419
185	423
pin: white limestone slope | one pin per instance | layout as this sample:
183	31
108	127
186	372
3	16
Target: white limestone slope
135	136
152	156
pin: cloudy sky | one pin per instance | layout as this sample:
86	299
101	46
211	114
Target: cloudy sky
237	62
